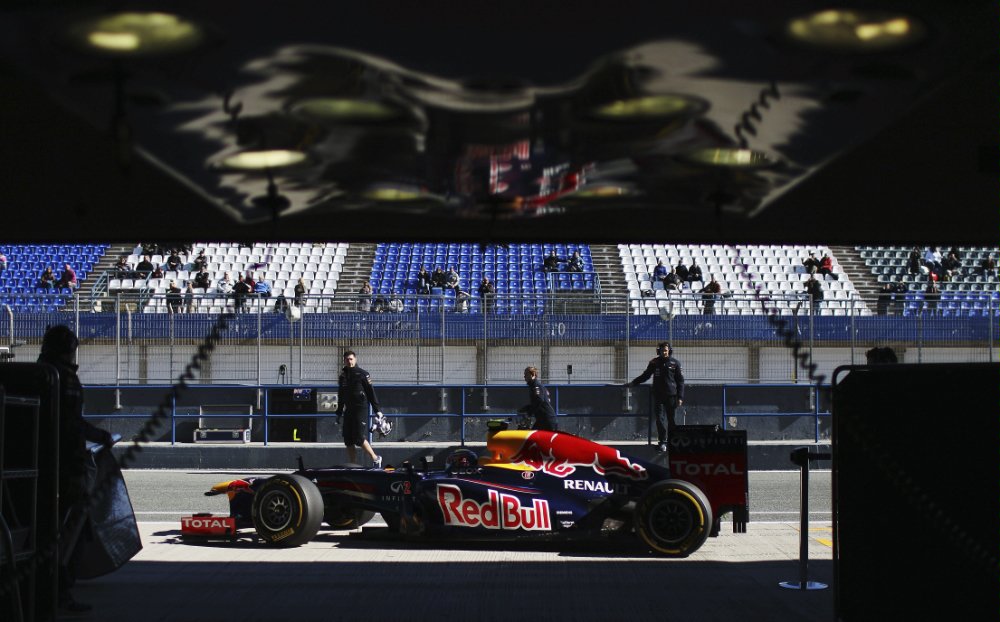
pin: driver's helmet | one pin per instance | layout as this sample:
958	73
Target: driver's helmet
461	459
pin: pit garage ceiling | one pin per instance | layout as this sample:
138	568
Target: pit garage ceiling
710	121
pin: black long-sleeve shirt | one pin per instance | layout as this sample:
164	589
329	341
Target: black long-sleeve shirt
668	380
355	390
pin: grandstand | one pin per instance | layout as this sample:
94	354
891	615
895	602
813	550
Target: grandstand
755	279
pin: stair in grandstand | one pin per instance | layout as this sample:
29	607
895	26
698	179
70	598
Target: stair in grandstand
357	270
608	265
859	273
94	296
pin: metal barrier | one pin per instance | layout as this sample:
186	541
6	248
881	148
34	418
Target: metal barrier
579	337
814	401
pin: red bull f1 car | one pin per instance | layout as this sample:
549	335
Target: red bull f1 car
528	484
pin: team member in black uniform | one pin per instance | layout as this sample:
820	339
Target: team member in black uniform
668	389
58	347
354	394
540	407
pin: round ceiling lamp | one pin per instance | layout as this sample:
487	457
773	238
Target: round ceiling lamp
730	157
848	30
650	107
133	33
342	109
263	159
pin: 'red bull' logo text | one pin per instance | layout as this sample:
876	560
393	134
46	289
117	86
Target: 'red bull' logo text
501	511
561	454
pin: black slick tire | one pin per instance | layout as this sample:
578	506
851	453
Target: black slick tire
673	517
287	510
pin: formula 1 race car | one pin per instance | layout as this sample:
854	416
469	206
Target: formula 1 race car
529	484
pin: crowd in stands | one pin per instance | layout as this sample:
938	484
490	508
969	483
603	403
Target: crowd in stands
463	278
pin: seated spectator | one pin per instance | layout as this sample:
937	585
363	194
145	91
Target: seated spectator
988	266
451	281
811	263
201	279
144	268
423	281
575	263
189	298
694	272
300	292
438	278
262	288
173	298
3	261
68	278
488	294
225	285
660	272
681	271
815	292
157	273
380	304
365	297
551	263
951	264
173	262
395	304
932	259
914	262
709	295
250	281
47	280
825	265
672	281
201	261
280	304
122	270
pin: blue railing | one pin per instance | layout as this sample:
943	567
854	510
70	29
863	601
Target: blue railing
464	411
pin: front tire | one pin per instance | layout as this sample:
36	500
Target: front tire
674	518
287	510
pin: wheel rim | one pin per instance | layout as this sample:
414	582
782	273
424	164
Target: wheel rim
276	510
671	521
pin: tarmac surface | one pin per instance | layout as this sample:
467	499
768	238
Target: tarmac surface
369	575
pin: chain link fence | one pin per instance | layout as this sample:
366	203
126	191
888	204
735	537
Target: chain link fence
577	338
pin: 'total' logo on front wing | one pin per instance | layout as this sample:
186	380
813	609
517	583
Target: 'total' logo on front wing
501	511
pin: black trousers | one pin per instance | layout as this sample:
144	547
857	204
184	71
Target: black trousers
665	410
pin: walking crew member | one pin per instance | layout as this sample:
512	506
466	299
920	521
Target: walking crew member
668	389
540	407
354	395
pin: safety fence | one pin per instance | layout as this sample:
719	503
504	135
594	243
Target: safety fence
583	338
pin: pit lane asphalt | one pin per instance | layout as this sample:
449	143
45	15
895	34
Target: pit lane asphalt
366	576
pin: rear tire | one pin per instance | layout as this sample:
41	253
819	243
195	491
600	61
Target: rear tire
287	510
674	518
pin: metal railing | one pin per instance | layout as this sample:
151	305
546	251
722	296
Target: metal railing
571	337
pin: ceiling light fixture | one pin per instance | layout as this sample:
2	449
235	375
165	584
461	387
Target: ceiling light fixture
133	33
730	157
651	107
394	193
856	31
339	109
263	160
